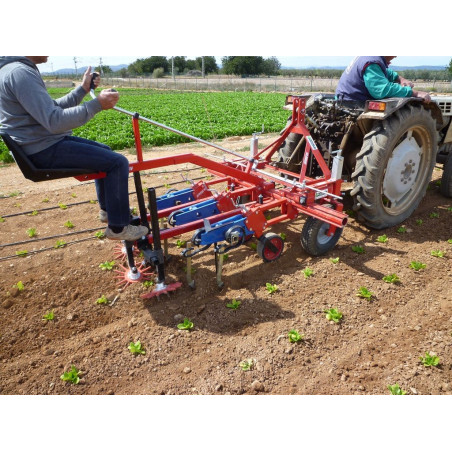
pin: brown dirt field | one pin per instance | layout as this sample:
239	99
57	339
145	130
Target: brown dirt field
377	343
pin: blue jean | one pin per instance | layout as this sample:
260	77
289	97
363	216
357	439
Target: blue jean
112	191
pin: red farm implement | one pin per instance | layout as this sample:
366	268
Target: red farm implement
234	205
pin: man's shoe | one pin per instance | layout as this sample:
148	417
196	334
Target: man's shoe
129	233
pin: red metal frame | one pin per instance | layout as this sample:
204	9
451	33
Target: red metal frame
246	176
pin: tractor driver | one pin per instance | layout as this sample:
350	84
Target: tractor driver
42	126
369	77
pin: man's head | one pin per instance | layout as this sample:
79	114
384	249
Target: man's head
38	59
389	58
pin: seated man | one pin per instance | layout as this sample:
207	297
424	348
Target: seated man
369	77
42	127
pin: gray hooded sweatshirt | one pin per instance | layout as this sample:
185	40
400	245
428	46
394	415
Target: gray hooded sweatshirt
29	115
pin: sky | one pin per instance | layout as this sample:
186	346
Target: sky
62	62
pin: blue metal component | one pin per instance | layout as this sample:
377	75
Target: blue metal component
218	232
174	198
200	210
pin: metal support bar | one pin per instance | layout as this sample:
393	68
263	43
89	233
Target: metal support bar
156	233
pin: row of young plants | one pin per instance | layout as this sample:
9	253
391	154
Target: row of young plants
294	336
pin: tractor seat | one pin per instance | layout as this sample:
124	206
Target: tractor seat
30	171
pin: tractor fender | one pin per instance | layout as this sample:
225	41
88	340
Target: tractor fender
396	103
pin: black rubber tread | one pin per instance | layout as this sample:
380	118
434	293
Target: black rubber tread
446	181
287	148
372	160
261	246
310	237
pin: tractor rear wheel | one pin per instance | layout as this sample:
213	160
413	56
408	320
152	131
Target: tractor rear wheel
446	181
394	167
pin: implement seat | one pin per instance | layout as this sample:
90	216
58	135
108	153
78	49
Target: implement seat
30	171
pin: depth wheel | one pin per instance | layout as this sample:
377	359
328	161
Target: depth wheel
314	238
270	247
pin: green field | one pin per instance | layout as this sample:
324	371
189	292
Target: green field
210	116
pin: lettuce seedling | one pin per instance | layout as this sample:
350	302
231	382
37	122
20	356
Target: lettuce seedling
419	222
334	260
136	348
434	215
49	316
31	232
21	253
401	230
429	360
102	300
437	253
148	284
333	314
234	304
382	238
186	325
69	224
396	390
271	288
364	292
99	234
307	272
416	265
246	364
62	206
295	336
60	244
392	278
20	286
358	249
283	236
181	243
72	376
107	265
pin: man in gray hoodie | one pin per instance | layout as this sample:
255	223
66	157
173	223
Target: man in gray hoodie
43	128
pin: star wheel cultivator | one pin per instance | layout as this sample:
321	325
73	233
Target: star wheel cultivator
245	198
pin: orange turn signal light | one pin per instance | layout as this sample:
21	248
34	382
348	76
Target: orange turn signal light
377	106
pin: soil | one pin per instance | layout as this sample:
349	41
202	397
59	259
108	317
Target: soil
377	343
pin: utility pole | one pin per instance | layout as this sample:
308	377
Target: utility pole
100	66
172	67
75	64
202	67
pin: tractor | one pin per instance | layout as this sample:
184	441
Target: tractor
389	148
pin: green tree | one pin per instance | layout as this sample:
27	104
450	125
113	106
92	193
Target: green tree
210	64
242	65
179	64
449	68
148	65
271	66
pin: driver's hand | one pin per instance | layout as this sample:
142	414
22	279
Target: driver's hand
87	77
424	96
405	82
108	98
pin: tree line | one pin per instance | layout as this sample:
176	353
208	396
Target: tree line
243	66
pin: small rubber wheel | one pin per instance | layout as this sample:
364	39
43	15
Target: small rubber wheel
270	246
314	238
